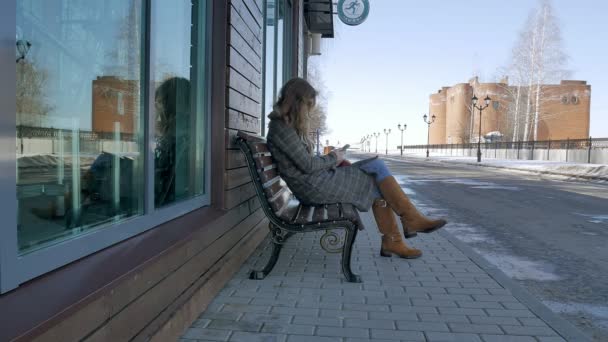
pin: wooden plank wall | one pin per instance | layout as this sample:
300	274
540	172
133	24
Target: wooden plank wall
244	94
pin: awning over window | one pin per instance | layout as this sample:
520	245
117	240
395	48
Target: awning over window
319	17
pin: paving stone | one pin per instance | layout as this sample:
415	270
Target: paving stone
527	330
343	314
232	325
369	323
479	305
207	334
507	338
493	320
443	318
342	332
325	321
422	326
530	321
397	335
475	328
296	329
451	337
241	336
393	316
510	313
302	338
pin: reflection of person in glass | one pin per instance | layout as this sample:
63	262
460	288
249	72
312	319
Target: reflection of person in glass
172	102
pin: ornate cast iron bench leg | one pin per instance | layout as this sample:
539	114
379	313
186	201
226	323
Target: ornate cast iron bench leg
351	234
279	236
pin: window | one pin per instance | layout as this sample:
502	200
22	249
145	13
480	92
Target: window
278	43
111	128
78	166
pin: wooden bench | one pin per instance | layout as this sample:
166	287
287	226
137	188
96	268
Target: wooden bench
287	216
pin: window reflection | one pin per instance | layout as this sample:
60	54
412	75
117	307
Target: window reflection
179	166
79	149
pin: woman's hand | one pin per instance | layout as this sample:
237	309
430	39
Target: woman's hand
339	156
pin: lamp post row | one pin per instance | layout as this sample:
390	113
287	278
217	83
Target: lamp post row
429	120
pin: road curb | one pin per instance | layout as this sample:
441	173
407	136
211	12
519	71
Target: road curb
564	328
551	173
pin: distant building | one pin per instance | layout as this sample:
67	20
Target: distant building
114	100
564	112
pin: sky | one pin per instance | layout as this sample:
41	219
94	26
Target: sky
381	73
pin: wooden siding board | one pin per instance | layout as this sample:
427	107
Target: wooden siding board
241	103
239	83
235	159
253	18
236	177
248	19
239	195
250	56
238	63
244	122
239	24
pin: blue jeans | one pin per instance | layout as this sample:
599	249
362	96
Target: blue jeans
378	169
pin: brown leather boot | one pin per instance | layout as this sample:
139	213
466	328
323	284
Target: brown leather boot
412	220
392	243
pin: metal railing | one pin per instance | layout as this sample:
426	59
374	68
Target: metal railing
579	150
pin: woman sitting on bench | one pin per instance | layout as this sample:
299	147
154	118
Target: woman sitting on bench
318	180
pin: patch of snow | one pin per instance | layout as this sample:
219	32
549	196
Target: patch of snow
599	219
520	268
467	233
599	311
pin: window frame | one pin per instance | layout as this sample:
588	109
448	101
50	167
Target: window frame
16	269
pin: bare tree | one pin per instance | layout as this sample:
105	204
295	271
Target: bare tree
537	58
31	96
319	113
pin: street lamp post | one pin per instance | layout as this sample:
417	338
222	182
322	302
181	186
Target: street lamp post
428	131
402	130
481	108
387	132
376	135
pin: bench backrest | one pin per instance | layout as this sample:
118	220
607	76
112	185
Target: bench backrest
280	204
277	200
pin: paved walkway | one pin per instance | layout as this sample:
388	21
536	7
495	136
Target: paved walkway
443	296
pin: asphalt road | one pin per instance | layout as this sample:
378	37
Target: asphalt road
549	235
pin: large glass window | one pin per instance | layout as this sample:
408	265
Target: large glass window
278	57
179	144
79	118
111	123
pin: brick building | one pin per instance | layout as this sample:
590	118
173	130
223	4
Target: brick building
564	111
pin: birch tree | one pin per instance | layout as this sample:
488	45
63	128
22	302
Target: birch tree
537	58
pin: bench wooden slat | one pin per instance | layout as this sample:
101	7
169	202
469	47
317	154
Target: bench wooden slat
349	211
290	211
333	212
305	214
258	147
274	187
280	200
268	175
320	214
262	162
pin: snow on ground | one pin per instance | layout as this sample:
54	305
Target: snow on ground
591	171
599	311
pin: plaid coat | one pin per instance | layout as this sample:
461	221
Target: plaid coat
316	180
